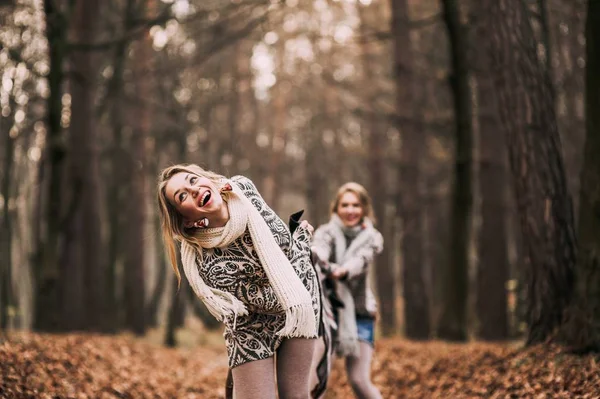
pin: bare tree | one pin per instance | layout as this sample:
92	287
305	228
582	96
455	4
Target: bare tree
416	300
9	137
115	179
376	163
134	262
174	314
492	265
526	105
83	227
48	273
453	322
582	327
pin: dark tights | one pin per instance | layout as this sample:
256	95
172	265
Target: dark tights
358	370
359	373
292	363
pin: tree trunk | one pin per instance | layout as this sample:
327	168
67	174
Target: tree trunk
571	51
438	230
233	143
7	296
318	209
116	179
526	107
135	259
453	322
542	6
175	310
582	326
416	300
377	145
47	273
85	242
278	128
493	265
161	279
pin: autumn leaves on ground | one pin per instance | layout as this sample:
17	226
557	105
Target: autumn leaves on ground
93	366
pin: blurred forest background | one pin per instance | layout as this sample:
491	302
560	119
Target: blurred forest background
466	120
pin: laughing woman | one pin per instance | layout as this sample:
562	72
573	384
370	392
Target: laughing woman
344	249
251	273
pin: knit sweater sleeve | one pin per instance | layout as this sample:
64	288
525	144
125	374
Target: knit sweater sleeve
357	264
300	248
249	190
322	243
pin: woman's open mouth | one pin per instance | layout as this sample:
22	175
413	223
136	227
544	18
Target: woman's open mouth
205	198
351	219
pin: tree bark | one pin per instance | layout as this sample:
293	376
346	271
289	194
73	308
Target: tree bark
7	295
85	242
278	128
135	259
582	326
542	6
318	209
377	145
526	107
116	179
416	300
453	322
493	264
174	317
161	279
47	273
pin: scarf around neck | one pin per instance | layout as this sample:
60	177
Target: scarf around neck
292	294
347	338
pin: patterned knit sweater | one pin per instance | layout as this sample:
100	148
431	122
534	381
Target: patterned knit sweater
237	269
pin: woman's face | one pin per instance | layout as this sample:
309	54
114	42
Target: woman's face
349	209
195	197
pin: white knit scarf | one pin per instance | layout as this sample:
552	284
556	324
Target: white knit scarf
347	339
292	294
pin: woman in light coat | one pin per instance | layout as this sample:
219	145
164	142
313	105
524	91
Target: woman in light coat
344	249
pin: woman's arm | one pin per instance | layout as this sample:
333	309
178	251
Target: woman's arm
300	246
322	244
357	264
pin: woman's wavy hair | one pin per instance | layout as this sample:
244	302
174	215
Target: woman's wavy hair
363	198
172	222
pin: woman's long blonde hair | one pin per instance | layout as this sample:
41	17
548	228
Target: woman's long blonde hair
172	223
363	197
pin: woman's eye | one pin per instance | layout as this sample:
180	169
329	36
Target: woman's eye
193	179
181	197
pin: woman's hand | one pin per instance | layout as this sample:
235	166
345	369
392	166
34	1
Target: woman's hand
339	273
307	226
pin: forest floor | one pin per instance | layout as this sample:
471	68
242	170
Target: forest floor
99	366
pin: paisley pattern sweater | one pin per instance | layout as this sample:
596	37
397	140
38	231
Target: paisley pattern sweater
237	269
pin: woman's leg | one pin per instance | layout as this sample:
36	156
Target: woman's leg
254	379
359	373
317	355
318	370
294	359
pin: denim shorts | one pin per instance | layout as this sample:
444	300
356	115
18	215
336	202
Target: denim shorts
366	329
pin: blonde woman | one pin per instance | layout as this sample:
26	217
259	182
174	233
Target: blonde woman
344	249
251	273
